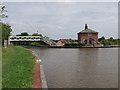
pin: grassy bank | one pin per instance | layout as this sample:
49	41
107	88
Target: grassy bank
0	67
17	68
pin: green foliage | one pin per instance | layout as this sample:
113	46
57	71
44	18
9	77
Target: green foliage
23	34
40	44
47	37
18	68
74	44
105	42
11	45
0	68
111	38
6	31
110	41
36	34
34	44
102	38
54	40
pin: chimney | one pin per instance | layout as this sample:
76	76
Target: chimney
86	27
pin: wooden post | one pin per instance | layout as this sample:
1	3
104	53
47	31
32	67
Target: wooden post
5	43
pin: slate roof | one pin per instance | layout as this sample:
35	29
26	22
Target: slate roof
87	30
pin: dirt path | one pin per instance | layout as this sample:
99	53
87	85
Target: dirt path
37	78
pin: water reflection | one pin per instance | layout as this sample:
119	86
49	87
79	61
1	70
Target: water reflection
80	68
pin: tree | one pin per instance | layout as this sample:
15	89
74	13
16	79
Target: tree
101	39
6	31
36	34
105	42
23	34
111	38
47	38
2	10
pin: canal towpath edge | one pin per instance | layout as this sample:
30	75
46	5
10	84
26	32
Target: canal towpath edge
39	80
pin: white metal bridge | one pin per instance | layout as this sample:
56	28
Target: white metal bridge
31	38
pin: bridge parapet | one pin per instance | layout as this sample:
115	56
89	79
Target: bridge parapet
31	38
25	38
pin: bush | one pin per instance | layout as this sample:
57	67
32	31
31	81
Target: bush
74	44
34	44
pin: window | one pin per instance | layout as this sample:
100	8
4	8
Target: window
90	41
89	34
85	41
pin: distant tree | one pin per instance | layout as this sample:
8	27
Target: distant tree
111	38
101	39
54	40
23	34
18	35
47	38
105	42
36	34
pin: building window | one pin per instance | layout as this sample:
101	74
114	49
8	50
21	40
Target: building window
90	41
85	41
89	34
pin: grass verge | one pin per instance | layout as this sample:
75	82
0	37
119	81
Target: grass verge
17	67
0	67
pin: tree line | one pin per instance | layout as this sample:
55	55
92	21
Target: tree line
109	41
26	34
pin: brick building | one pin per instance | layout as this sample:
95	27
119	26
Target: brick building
88	36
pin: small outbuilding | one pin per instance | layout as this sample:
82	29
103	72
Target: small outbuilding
88	36
62	42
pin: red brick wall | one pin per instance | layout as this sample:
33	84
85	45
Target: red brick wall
85	36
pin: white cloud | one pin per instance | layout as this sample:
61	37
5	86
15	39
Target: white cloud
63	20
59	1
59	27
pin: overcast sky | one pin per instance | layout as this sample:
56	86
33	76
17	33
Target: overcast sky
63	19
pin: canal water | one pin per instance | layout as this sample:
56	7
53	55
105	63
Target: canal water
80	67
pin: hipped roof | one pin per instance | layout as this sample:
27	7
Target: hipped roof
87	30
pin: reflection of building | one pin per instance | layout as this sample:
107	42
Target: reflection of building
88	36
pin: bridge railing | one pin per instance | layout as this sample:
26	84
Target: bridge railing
32	38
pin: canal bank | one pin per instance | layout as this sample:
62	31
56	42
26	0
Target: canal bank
71	47
84	47
39	76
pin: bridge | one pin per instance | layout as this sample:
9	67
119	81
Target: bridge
31	39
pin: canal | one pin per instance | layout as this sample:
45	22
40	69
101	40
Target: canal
80	67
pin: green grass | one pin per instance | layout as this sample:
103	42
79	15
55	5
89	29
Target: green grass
0	67
17	67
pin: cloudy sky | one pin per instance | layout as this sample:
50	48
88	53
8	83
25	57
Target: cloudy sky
63	19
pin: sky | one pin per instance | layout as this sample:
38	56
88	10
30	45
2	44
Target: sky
63	19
